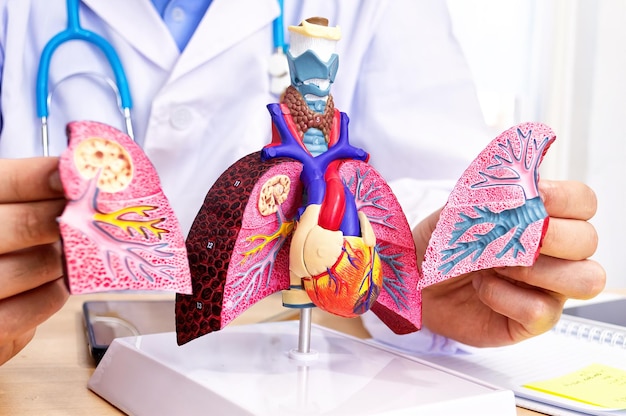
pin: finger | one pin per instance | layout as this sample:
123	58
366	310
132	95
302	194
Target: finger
533	311
21	313
27	269
11	348
569	239
27	225
568	199
32	179
582	279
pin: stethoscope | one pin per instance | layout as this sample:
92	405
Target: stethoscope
74	31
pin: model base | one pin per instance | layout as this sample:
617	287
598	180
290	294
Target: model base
252	369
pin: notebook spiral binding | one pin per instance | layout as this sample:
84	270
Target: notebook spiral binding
587	330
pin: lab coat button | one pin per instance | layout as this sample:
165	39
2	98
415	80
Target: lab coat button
181	118
178	14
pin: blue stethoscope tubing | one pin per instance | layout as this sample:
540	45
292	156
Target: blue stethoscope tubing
75	32
279	31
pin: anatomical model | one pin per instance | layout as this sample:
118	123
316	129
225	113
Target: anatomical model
306	215
309	216
118	229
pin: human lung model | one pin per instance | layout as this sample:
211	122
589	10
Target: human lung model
306	215
118	229
310	217
494	216
239	248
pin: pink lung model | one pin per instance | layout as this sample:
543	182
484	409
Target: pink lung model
309	216
118	229
240	240
494	216
239	245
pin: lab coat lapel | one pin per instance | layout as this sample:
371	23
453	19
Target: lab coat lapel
138	22
214	35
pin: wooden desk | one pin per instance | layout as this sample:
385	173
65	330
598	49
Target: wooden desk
49	377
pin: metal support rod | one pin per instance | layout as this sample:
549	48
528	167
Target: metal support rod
45	140
304	334
129	123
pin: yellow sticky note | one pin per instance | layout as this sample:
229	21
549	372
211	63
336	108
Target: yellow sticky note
597	384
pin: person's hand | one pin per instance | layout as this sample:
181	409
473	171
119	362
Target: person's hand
31	283
506	305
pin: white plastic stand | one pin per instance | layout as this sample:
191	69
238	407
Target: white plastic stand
244	370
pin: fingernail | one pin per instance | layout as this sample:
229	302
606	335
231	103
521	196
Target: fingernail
55	182
476	281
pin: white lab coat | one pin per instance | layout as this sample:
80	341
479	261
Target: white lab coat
402	80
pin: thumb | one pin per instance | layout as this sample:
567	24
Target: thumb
422	232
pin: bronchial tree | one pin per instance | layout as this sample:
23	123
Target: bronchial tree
511	168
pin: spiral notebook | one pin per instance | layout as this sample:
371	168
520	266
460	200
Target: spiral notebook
570	370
